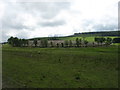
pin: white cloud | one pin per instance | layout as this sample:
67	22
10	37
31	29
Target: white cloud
28	19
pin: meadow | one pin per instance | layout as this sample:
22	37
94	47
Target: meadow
84	67
88	38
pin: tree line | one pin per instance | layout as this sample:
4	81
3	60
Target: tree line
16	42
79	42
101	40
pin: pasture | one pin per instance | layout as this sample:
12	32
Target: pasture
88	38
90	67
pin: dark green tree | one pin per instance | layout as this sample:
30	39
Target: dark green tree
102	39
70	43
16	42
108	41
42	43
66	43
10	40
35	42
23	42
80	42
77	42
62	44
97	40
85	42
57	44
26	42
51	43
45	43
20	40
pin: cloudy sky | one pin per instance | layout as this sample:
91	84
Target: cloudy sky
43	18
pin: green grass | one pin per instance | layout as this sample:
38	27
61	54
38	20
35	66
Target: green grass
91	67
116	44
89	38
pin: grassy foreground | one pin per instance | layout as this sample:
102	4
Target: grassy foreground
91	67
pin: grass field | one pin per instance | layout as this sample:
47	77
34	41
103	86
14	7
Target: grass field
91	67
89	38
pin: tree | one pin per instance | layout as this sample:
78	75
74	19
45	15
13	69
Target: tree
80	42
70	43
102	39
26	42
77	42
108	41
42	43
85	42
97	40
51	43
66	43
62	44
16	42
57	44
45	42
22	42
10	40
35	42
116	40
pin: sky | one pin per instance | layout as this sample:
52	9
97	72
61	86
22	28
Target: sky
47	18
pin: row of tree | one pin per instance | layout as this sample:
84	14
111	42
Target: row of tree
16	42
101	40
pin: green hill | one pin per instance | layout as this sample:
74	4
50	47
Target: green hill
86	35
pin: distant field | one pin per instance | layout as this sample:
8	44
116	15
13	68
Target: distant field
90	38
91	67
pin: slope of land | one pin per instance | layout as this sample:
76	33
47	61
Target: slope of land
91	67
89	36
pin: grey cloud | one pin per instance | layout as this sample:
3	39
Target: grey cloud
101	27
52	24
12	15
4	37
119	15
23	34
11	20
87	23
12	25
108	24
46	10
